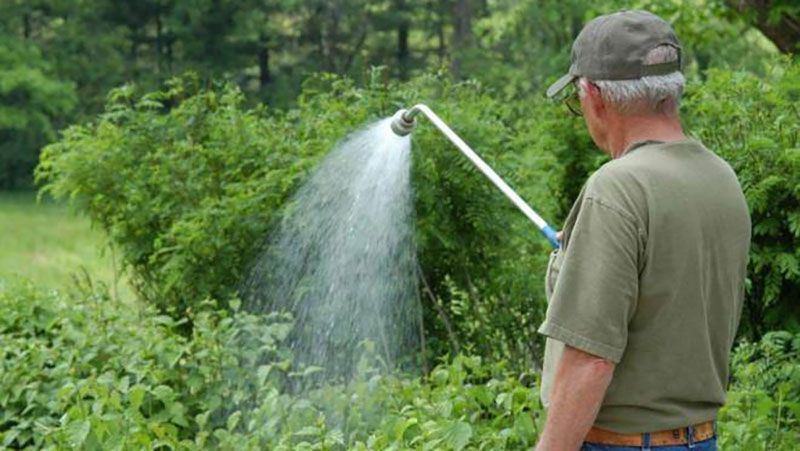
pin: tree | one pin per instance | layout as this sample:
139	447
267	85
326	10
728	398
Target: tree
403	28
462	34
94	62
32	102
779	20
263	29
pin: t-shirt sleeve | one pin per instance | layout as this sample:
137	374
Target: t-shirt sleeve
596	292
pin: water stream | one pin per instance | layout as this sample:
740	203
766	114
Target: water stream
342	259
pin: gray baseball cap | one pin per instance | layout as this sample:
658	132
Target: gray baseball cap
614	47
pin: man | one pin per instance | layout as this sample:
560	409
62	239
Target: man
646	291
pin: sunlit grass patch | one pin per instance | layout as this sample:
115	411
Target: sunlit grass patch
48	243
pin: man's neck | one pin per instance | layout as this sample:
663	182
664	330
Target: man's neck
633	129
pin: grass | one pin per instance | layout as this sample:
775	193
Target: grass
47	243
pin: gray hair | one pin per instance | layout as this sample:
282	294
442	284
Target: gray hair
649	94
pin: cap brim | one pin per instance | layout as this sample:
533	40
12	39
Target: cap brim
560	84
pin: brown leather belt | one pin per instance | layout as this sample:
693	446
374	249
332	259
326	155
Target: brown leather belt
680	436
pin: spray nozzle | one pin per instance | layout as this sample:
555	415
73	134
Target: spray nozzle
402	123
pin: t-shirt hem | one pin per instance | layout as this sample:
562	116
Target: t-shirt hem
568	337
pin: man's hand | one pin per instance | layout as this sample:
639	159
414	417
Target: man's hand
578	390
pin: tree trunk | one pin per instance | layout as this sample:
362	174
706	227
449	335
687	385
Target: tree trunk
351	56
462	34
8	183
170	57
783	32
442	43
329	34
483	8
26	25
133	55
402	40
159	44
264	76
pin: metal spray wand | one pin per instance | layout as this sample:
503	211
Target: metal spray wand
403	123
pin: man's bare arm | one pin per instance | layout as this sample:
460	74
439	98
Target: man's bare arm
580	384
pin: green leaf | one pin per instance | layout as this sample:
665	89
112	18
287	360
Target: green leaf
136	396
233	420
457	434
77	433
263	373
164	393
308	430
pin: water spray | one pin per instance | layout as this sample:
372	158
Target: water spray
403	123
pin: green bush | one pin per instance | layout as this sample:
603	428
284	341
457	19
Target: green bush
752	123
92	374
186	182
85	372
89	373
763	408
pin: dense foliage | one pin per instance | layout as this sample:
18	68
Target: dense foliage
90	373
269	47
187	182
33	103
764	407
186	177
86	372
752	123
186	193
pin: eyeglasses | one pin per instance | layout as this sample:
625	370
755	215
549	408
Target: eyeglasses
573	102
571	97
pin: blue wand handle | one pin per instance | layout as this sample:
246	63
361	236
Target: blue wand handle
550	233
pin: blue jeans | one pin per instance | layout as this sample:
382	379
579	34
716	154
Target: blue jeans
705	445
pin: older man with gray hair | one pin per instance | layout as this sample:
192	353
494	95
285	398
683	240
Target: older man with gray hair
646	291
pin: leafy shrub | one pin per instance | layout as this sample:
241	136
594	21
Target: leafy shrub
94	374
88	373
752	123
184	180
763	409
187	182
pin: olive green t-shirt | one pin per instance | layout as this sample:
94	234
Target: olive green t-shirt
651	276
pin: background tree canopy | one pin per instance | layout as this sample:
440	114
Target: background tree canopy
269	47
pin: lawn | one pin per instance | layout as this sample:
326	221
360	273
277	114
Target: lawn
49	244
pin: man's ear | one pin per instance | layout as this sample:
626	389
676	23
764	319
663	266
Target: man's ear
596	102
